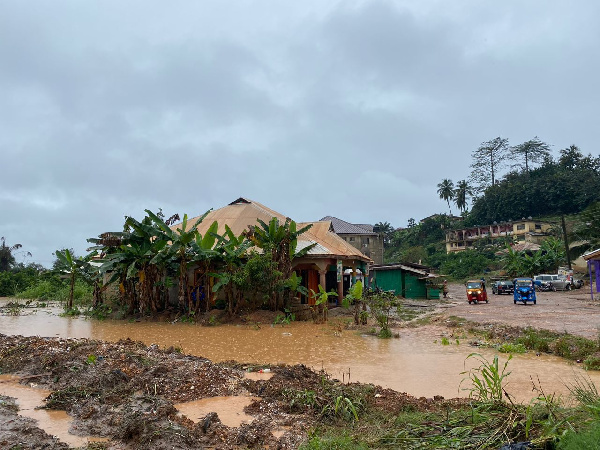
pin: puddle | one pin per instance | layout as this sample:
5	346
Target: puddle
229	409
55	423
416	363
259	375
279	432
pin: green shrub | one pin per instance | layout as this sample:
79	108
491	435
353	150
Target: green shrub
537	340
508	347
574	347
583	440
592	362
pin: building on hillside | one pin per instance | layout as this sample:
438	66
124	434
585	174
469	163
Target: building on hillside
323	265
360	236
405	279
525	230
593	262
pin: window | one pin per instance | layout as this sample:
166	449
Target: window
538	226
521	226
351	239
366	241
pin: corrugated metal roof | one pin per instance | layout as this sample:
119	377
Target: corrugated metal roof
342	227
399	266
242	213
594	254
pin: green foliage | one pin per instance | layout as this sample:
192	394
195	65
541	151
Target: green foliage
355	294
537	340
465	264
586	393
565	186
382	305
487	380
333	442
583	440
19	279
574	347
446	191
508	347
445	341
55	289
7	255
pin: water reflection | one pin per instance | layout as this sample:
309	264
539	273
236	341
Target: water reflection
415	363
55	423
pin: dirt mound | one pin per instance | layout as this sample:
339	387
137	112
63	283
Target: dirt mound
126	391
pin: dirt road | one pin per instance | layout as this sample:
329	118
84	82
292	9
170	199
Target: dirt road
567	311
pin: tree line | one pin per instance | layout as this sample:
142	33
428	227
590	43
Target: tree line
153	266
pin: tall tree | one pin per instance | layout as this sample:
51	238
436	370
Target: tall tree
488	159
529	152
7	257
385	230
462	191
446	191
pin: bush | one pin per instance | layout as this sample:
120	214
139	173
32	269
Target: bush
574	347
584	440
57	290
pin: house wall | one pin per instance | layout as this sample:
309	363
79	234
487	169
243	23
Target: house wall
389	280
371	245
403	283
413	287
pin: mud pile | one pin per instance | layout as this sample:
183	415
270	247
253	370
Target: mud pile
126	391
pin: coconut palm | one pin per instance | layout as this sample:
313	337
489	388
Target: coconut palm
446	191
462	191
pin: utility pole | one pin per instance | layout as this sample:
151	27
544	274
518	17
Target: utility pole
564	229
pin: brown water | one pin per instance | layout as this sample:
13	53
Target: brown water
415	363
55	423
229	409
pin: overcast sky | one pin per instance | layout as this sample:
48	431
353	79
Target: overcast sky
313	108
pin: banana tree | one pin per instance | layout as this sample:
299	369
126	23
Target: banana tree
180	249
282	241
69	266
232	250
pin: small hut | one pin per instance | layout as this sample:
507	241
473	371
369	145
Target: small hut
405	279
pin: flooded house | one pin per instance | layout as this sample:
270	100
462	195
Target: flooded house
324	264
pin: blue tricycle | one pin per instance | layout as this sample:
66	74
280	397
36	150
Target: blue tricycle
524	290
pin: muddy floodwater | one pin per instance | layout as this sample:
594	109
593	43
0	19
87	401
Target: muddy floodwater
416	363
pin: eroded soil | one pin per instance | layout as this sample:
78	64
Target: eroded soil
126	391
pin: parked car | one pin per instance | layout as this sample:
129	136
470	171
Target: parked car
544	282
503	287
557	282
524	291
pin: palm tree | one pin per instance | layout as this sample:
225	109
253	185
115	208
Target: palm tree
462	191
446	191
385	230
7	257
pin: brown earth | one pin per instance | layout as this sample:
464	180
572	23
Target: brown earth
572	312
126	391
